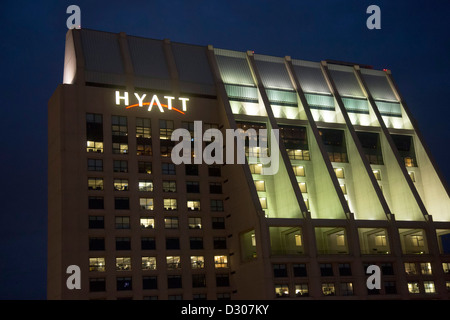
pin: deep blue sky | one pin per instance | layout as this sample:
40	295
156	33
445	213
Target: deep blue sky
414	43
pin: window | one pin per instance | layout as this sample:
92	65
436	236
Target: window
191	169
95	164
96	243
148	243
95	203
169	186
390	287
143	128
144	148
339	173
328	289
299	270
119	126
150	282
145	185
171	223
326	269
370	143
446	267
96	222
197	262
413	287
95	183
173	262
196	243
345	269
281	290
255	168
218	223
172	243
222	280
412	176
346	289
334	142
219	243
145	167
215	187
170	204
302	186
121	203
97	285
299	171
193	205
216	205
195	223
123	263
263	202
146	203
173	282
97	264
297	154
425	268
223	296
168	168
214	171
220	262
122	222
121	184
410	268
94	132
405	147
119	148
260	185
301	290
377	174
94	146
147	223
429	287
343	188
198	280
120	166
387	269
165	129
123	243
124	284
165	148
279	270
192	187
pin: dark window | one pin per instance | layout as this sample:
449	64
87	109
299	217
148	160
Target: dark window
191	169
96	243
387	269
215	187
95	165
405	147
123	243
122	222
222	280
216	205
168	168
196	243
120	166
390	287
214	171
279	270
148	243
166	147
192	187
150	282
345	269
121	203
96	222
165	129
295	141
124	283
220	243
199	280
334	141
174	281
96	203
172	243
143	148
143	128
97	285
218	223
119	126
94	127
299	270
370	142
145	167
326	269
199	296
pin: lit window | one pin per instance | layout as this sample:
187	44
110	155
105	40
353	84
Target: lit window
145	167
95	183
298	240
380	240
147	223
377	174
301	290
146	203
343	188
121	184
260	185
281	290
410	268
148	263
306	203
346	289
143	128
193	205
123	264
299	171
417	241
119	126
94	146
170	204
425	268
165	129
429	287
97	264
173	262
169	186
339	173
340	239
144	148
263	202
302	186
171	223
253	240
120	148
446	267
328	289
145	185
413	287
297	154
197	262
220	262
255	168
412	176
195	223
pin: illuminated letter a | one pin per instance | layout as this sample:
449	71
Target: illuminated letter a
374	21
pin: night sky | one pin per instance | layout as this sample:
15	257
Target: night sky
414	42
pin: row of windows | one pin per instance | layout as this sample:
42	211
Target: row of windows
149	263
170	204
120	184
151	283
123	222
146	167
149	243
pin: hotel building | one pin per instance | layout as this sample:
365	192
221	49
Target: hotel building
356	184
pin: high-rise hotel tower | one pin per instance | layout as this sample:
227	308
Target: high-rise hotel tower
356	184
